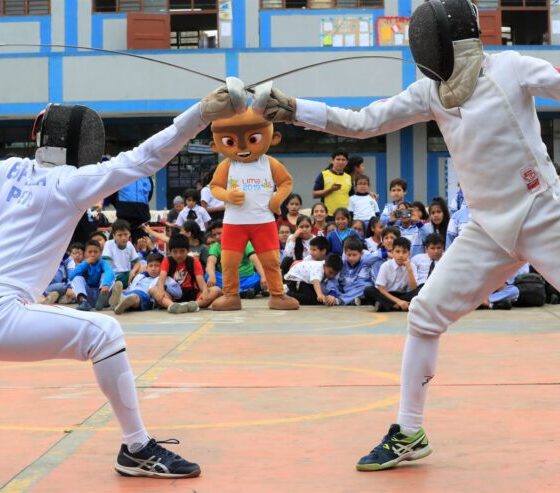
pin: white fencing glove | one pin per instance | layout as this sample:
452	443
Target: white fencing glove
273	104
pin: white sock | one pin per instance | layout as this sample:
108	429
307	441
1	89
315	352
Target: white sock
418	368
116	380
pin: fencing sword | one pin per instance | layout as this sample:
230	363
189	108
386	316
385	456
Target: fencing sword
250	87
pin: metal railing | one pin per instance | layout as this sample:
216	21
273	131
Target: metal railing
24	7
321	4
154	6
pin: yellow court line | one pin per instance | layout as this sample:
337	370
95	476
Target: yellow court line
248	423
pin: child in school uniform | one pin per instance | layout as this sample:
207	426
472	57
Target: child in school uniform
396	283
362	205
384	251
121	254
373	234
406	219
397	190
297	246
138	296
92	279
193	210
308	281
318	248
457	223
336	238
355	274
426	262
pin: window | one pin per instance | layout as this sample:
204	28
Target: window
525	22
155	6
322	4
24	7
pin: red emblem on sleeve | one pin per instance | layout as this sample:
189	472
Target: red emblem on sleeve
531	179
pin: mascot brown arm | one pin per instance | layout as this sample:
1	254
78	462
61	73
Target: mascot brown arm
218	185
283	181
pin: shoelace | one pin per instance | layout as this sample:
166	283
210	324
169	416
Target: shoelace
162	451
386	440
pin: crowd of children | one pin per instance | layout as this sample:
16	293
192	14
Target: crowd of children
358	255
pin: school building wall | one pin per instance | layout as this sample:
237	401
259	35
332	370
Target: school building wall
262	43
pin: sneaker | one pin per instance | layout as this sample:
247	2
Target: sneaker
394	448
502	305
83	306
185	307
377	306
116	292
102	301
125	303
265	294
358	301
155	461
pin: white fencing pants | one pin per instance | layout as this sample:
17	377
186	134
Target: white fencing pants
469	271
32	332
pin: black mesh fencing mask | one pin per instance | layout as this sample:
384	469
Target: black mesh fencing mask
74	128
434	26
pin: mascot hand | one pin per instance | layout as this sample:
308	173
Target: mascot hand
225	101
235	197
279	107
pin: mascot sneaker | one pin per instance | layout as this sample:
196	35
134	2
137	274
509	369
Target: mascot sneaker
394	448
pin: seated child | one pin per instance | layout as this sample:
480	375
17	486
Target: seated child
283	234
318	248
193	211
59	286
342	231
308	280
76	251
188	273
362	205
138	296
507	293
373	234
250	280
384	251
355	274
92	279
397	191
297	246
121	254
100	237
426	262
396	282
145	247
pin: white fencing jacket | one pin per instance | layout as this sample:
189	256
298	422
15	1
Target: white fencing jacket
494	138
40	206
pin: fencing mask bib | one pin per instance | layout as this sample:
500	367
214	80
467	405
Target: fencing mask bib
434	26
68	134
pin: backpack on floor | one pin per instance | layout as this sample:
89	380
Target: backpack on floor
532	290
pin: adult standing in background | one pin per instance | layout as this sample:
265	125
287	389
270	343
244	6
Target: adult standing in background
178	206
333	186
132	204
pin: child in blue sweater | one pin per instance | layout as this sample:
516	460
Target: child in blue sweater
355	274
336	238
92	279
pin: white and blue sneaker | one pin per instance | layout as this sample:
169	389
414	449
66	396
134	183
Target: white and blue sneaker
155	461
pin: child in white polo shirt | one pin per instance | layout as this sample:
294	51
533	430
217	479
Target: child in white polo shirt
396	283
193	211
426	262
122	256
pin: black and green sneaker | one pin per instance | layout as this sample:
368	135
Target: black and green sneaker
394	448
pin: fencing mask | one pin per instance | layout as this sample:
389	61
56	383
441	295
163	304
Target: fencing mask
68	134
434	26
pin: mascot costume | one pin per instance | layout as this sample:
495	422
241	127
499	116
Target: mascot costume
246	182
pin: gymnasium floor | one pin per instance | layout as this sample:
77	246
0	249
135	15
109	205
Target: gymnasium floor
271	402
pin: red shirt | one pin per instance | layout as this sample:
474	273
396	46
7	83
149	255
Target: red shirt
285	222
181	275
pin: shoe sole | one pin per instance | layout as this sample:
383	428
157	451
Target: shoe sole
125	303
188	307
420	454
116	293
135	472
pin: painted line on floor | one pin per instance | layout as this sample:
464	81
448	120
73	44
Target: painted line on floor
67	445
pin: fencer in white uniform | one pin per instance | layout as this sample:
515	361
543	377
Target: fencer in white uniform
485	110
42	201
